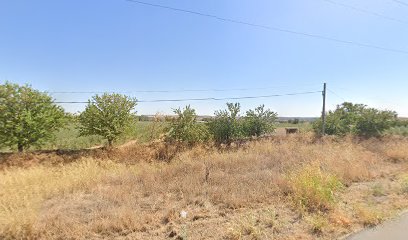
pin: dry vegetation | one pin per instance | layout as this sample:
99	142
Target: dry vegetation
283	188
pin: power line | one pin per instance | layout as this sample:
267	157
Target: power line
362	10
344	100
271	28
203	99
400	2
178	90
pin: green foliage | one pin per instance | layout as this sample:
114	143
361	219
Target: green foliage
373	122
357	119
400	131
226	127
259	121
399	128
27	117
184	128
108	115
401	123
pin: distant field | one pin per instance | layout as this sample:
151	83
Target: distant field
68	138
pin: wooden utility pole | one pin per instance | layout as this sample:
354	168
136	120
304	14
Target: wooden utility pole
324	110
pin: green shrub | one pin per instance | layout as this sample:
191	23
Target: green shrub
373	122
226	126
259	122
184	127
357	119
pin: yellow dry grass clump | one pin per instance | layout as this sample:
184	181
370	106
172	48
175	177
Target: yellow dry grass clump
92	198
23	191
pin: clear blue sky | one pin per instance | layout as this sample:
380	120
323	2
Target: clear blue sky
115	45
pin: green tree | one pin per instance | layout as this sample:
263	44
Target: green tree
259	121
28	117
226	127
185	128
373	122
108	115
357	119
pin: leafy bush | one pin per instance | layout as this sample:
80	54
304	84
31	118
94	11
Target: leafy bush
27	117
357	119
259	121
184	128
373	122
226	127
108	115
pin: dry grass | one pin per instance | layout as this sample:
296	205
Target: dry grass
312	189
23	191
404	185
247	193
392	147
369	216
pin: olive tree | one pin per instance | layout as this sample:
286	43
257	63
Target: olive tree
28	117
107	115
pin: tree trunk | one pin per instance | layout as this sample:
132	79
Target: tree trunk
20	147
110	143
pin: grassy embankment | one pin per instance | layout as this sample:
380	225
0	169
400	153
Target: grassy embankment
286	188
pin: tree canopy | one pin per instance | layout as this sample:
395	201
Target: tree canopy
27	117
107	115
357	119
